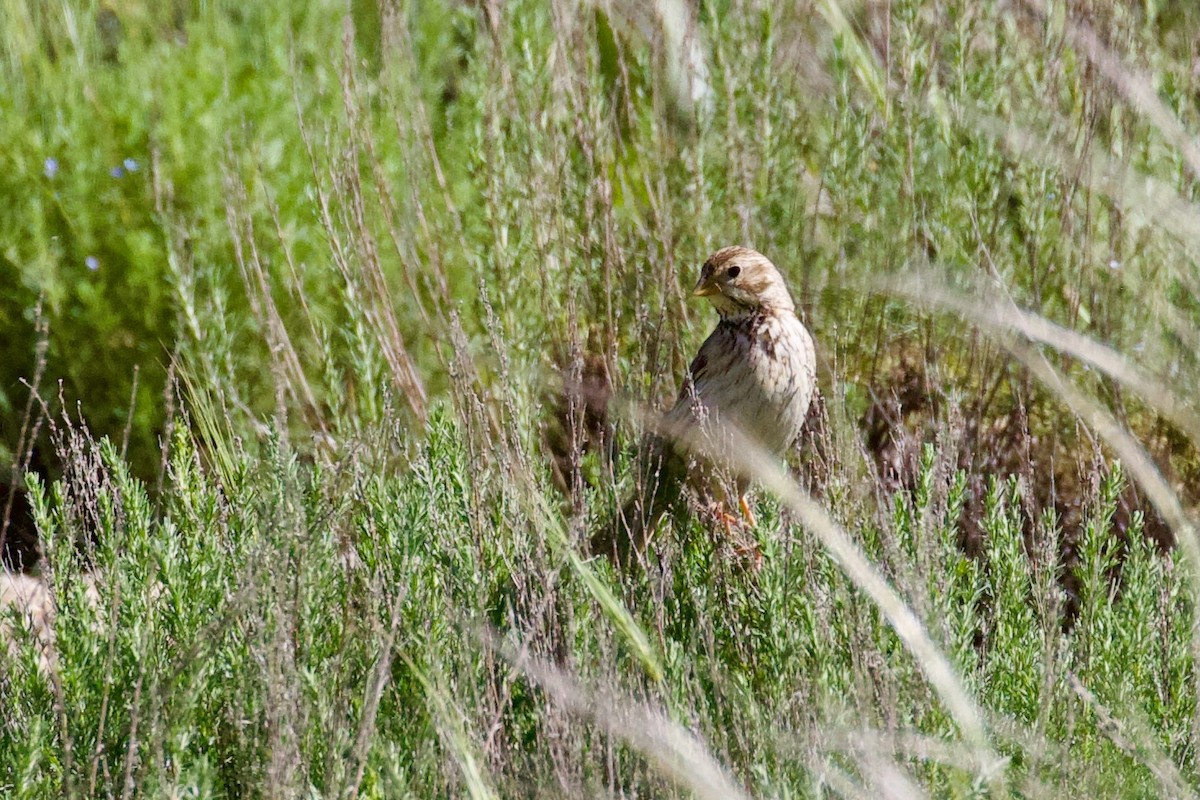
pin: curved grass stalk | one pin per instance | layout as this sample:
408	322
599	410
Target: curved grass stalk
669	746
1004	325
747	457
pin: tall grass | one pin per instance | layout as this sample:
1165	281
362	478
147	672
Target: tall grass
357	262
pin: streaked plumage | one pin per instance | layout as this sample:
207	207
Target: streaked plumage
756	372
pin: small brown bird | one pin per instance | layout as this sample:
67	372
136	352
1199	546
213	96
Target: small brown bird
755	374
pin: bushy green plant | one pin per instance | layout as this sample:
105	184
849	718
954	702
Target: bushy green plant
369	243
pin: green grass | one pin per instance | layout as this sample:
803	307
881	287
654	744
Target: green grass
310	276
244	629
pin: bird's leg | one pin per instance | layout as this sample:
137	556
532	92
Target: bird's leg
746	511
744	546
721	512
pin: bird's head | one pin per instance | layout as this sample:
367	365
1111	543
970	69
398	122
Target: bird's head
739	281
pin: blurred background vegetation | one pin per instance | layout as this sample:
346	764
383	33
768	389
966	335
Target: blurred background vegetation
190	183
264	235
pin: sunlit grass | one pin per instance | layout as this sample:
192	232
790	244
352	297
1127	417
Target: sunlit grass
321	266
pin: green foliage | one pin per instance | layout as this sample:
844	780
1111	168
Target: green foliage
235	635
363	239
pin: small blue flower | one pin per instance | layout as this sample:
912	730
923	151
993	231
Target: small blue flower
92	263
116	171
130	165
50	167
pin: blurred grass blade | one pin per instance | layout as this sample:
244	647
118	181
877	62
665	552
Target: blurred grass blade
1136	87
1143	196
861	60
1141	746
673	749
619	615
1134	458
612	607
449	723
1001	316
746	456
1003	324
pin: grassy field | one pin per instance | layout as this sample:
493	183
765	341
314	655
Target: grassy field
295	304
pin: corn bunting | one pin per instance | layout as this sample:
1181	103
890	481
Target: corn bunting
753	377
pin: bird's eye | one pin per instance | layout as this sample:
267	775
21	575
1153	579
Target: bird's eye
734	272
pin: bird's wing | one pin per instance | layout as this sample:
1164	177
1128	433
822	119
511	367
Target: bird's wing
712	379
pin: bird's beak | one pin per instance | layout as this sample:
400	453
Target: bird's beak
706	288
